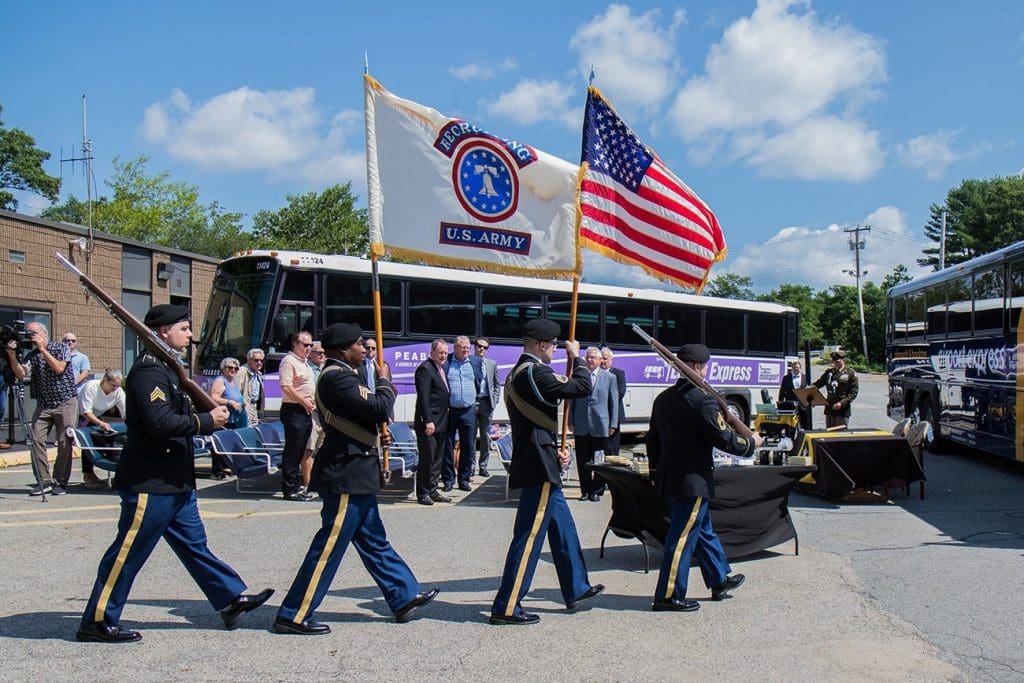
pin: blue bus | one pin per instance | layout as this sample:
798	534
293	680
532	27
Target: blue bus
952	345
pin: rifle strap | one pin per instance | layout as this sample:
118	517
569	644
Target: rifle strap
347	427
531	413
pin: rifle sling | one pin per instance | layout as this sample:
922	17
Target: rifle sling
346	427
530	412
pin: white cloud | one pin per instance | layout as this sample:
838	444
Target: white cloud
825	148
279	131
482	70
533	101
817	256
785	76
931	154
633	56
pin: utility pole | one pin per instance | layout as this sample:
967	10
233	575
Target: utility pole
942	243
856	244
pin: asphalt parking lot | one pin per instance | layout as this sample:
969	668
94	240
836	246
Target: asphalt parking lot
885	590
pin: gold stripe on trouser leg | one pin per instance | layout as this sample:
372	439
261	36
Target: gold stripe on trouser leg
542	506
122	555
671	585
1018	450
321	563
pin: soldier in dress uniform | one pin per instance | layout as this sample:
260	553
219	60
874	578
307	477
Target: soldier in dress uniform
532	393
156	480
346	474
686	425
840	382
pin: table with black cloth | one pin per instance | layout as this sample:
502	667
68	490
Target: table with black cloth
851	460
750	510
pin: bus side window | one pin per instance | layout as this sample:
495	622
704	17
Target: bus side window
1015	290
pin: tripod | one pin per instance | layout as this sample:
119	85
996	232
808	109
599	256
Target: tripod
16	411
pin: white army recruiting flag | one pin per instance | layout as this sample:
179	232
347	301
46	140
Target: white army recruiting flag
444	192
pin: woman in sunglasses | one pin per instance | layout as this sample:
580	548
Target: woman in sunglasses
225	392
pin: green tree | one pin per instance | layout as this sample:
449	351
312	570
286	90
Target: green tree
731	286
325	222
981	216
898	276
800	297
21	167
156	209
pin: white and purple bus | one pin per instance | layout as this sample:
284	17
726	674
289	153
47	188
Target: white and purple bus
260	297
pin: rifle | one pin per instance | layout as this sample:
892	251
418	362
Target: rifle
150	339
697	380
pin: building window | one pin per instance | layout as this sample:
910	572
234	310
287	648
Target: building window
17	257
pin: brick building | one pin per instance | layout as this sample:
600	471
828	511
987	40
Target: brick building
34	287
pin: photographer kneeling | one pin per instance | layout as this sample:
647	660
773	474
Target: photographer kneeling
53	387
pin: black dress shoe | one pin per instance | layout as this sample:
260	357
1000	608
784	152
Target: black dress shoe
424	500
405	614
438	498
514	620
584	496
447	487
592	592
242	604
673	605
98	632
484	473
464	486
300	496
595	497
731	583
306	628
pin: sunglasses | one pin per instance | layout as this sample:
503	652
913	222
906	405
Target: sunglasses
308	346
257	360
231	367
483	346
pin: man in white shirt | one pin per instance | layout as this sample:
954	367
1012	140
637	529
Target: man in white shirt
79	362
99	398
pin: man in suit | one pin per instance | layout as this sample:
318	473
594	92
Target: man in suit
431	422
487	401
592	420
792	380
532	393
608	363
686	426
464	373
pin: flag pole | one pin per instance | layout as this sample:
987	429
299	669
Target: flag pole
378	318
568	360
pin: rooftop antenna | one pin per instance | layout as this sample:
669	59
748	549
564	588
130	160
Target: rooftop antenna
86	159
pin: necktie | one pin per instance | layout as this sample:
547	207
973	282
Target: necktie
371	375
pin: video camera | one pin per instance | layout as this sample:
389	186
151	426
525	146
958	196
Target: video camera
15	331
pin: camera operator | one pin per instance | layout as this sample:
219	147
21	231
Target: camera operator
6	378
53	387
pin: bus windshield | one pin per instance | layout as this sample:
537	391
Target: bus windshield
236	316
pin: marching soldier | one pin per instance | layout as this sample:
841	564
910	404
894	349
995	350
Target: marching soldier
532	392
156	480
346	474
686	425
841	389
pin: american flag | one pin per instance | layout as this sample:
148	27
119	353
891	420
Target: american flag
635	210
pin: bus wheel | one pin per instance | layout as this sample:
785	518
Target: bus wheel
928	414
738	410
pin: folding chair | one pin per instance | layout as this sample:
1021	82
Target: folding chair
103	457
251	465
404	454
272	434
504	446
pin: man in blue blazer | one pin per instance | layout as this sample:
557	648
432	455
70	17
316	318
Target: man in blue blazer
593	420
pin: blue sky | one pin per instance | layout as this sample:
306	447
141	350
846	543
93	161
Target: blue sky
793	120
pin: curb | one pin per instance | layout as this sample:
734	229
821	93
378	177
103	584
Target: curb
24	457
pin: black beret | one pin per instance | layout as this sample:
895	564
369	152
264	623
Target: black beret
836	355
694	353
542	330
340	336
166	314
